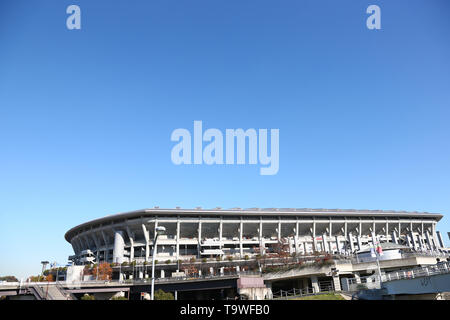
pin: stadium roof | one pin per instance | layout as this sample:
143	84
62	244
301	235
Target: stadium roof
218	211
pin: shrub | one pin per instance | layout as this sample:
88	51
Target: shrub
246	257
204	260
87	297
168	261
230	258
192	260
161	295
218	258
119	298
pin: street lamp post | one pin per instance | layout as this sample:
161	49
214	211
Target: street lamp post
157	231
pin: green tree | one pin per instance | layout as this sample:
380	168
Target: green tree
161	295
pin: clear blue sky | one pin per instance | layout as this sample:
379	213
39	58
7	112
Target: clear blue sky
86	115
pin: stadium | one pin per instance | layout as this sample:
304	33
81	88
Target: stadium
245	233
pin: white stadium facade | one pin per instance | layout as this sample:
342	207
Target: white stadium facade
209	233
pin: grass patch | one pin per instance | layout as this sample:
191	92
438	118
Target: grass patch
328	296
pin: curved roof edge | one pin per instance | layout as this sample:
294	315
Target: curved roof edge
251	212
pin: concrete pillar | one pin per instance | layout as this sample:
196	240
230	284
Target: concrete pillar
315	284
279	230
421	242
440	240
394	237
119	246
147	242
357	277
97	247
350	240
314	236
387	230
408	240
177	248
413	241
358	239
429	243
345	229
199	247
162	274
106	253
325	243
337	283
241	249
131	237
261	241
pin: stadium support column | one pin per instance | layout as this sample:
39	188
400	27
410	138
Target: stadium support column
337	283
435	238
261	241
350	240
220	232
413	241
199	232
374	227
178	240
387	230
279	230
408	240
325	242
105	239
97	247
358	237
119	246
330	237
394	237
345	229
315	284
314	236
429	244
440	240
338	248
421	242
147	242
241	250
131	237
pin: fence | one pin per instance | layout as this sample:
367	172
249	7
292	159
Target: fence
373	282
324	287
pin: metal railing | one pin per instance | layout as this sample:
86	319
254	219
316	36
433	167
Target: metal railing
439	268
373	281
308	291
194	277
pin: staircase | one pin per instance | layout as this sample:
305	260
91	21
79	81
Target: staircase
52	292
